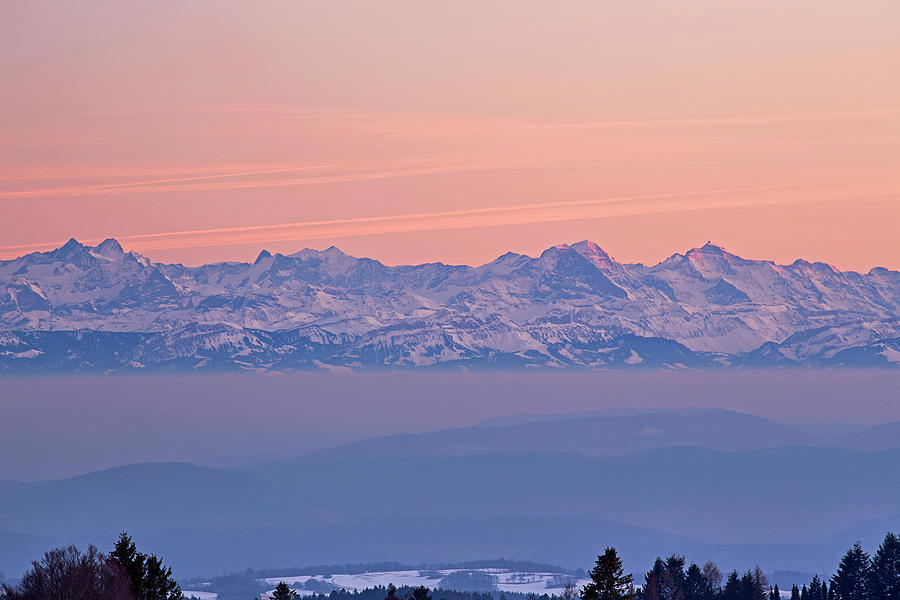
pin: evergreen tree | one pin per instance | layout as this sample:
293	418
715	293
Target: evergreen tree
150	578
732	589
125	554
795	592
774	593
158	582
421	593
654	582
283	592
884	575
674	578
608	579
804	593
749	588
815	589
696	585
851	582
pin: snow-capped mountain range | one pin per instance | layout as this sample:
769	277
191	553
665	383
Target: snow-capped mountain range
99	309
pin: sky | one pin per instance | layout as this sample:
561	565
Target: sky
416	131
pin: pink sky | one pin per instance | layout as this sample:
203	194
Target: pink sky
417	131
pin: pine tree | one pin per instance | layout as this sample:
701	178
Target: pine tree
749	588
283	592
696	585
158	583
815	589
654	582
774	593
795	592
125	554
884	577
150	578
421	593
608	579
732	589
851	582
674	578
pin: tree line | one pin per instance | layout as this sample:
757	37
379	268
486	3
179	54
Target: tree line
858	577
126	574
70	574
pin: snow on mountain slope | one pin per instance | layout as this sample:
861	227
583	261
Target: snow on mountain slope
98	308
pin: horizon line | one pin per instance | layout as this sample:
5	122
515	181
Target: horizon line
95	242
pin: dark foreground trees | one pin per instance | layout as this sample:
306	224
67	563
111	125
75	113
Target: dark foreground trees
150	578
884	573
126	574
69	574
608	579
283	592
858	578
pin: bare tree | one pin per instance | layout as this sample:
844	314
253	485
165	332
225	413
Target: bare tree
570	590
760	582
712	575
69	574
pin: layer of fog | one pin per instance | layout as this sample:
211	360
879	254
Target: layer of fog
58	427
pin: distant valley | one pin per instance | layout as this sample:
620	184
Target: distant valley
705	483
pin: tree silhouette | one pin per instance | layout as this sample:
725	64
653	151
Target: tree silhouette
884	576
851	582
283	592
608	579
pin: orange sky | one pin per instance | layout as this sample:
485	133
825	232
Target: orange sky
415	131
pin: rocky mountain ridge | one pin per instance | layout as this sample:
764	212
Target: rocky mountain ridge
99	309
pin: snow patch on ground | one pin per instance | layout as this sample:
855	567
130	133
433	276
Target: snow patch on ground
507	581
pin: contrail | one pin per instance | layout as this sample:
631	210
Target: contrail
135	186
452	219
190	186
746	119
451	213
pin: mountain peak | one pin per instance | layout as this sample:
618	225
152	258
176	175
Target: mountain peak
556	248
264	254
588	244
589	249
330	251
70	249
712	252
710	248
110	247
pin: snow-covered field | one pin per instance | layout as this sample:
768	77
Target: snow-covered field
199	595
505	581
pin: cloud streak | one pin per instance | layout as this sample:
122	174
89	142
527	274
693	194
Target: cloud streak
492	216
194	184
